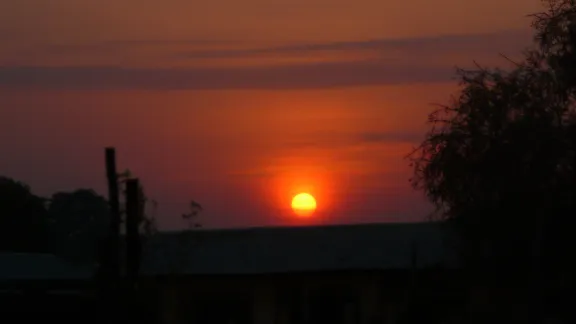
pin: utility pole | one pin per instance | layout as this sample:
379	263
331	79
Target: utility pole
133	247
113	252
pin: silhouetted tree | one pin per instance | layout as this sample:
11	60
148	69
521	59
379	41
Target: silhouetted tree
555	35
499	161
192	215
72	224
22	218
79	221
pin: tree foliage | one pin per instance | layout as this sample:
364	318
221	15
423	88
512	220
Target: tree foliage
499	160
192	215
499	165
73	224
78	223
22	218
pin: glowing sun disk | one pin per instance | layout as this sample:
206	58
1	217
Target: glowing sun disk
304	204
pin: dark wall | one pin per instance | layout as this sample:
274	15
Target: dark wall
16	307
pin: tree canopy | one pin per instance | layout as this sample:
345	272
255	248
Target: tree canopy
499	160
499	165
78	223
23	219
71	224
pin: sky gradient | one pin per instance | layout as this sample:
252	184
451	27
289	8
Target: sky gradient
240	104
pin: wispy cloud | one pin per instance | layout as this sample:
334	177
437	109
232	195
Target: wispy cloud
502	41
331	140
328	75
385	137
119	45
413	63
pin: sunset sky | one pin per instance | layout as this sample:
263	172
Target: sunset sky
240	104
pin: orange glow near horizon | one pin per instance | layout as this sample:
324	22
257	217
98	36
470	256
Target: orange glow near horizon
245	108
304	204
290	176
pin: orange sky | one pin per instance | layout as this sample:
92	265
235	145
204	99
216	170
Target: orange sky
239	104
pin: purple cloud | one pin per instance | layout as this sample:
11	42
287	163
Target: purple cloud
410	68
325	75
511	40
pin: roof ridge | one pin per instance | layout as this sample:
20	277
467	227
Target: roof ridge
294	228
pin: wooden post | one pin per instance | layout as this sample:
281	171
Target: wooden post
113	254
132	234
132	255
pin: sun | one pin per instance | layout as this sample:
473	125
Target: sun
304	204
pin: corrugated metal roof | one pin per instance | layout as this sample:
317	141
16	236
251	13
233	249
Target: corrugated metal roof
264	250
292	249
36	266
